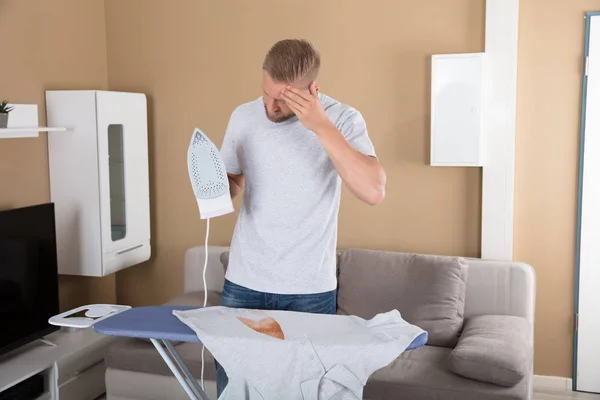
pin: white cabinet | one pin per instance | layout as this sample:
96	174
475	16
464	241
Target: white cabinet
457	110
73	366
99	180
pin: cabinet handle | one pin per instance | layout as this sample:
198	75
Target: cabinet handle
129	249
77	373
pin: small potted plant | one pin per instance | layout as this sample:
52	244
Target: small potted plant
4	110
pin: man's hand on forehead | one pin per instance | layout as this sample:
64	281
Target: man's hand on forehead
306	105
279	93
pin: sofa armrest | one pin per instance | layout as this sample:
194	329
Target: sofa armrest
499	287
194	264
494	348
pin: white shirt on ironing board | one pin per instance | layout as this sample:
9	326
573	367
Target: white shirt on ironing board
289	355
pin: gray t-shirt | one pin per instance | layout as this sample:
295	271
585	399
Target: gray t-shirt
285	238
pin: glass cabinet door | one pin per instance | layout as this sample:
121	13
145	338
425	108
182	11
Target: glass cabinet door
116	165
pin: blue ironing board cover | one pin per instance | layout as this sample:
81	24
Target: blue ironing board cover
152	322
158	322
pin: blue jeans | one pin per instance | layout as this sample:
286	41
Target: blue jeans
236	296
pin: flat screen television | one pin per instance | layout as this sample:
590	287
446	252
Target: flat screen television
28	275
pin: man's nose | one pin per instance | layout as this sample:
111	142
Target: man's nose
273	104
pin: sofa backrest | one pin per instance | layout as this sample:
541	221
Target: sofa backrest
428	290
193	268
493	287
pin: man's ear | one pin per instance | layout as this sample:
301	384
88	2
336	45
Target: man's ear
313	88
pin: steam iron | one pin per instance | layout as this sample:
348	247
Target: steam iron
208	177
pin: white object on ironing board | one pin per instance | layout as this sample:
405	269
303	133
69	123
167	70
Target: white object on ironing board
297	356
86	316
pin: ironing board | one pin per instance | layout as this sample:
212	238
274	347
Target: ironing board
161	327
158	324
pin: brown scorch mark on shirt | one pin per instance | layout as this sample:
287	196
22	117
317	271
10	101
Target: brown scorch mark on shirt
267	326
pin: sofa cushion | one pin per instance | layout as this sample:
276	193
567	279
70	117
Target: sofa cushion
423	374
196	299
224	257
494	348
428	290
224	260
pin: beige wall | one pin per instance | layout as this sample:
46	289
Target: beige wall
197	61
43	50
547	151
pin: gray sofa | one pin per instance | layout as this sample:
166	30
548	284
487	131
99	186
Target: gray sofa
479	315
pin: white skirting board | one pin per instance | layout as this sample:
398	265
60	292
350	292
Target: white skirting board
552	382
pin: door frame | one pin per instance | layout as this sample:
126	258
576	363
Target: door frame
586	48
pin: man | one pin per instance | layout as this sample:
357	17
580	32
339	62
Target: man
288	152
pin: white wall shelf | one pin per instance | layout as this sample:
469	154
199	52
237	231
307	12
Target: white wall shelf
23	123
6	133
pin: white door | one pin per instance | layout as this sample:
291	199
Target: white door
587	299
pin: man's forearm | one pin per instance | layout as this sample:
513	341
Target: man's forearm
363	175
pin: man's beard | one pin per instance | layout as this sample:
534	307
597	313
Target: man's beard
281	118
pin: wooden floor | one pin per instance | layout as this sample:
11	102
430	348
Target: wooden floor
541	394
545	395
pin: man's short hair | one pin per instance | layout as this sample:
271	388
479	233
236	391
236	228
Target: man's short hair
292	60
